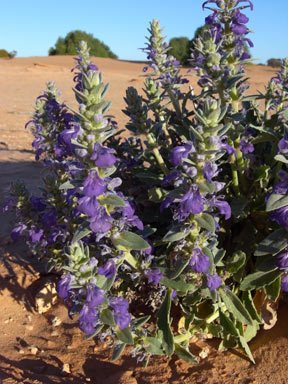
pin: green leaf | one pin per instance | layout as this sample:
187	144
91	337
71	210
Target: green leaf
251	331
281	158
154	346
163	323
104	283
118	350
207	187
273	244
219	256
97	330
273	290
259	279
236	262
107	317
176	233
262	173
178	285
146	232
175	102
249	305
276	201
125	336
285	114
235	306
82	231
206	221
246	348
129	240
227	324
156	194
238	206
139	322
179	268
71	184
185	355
113	200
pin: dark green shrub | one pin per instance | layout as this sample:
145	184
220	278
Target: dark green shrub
10	55
180	49
3	53
69	45
274	62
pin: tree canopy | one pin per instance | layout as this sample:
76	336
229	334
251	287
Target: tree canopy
69	45
181	46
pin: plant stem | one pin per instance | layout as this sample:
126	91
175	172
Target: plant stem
157	154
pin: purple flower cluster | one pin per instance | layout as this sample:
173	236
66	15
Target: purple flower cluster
207	61
53	128
164	65
120	308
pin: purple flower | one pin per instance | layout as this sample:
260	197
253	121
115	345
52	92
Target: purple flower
128	215
49	219
154	276
245	56
88	319
213	282
223	207
284	283
120	308
246	147
93	185
191	202
55	234
88	205
240	17
283	145
239	29
67	135
180	152
95	295
37	203
35	234
101	221
103	156
282	261
280	216
109	269
17	231
281	187
210	170
199	261
63	285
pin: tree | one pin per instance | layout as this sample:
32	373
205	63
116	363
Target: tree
69	45
10	55
274	63
180	49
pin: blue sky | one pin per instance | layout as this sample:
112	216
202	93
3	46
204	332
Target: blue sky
31	27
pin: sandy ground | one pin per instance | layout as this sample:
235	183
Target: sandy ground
34	348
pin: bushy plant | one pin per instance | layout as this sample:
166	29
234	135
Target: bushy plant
69	45
173	232
10	55
275	63
180	49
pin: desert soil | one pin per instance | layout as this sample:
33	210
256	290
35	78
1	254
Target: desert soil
49	348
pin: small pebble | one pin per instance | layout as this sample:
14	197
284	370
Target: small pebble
33	350
54	333
66	368
29	327
204	353
56	321
21	351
